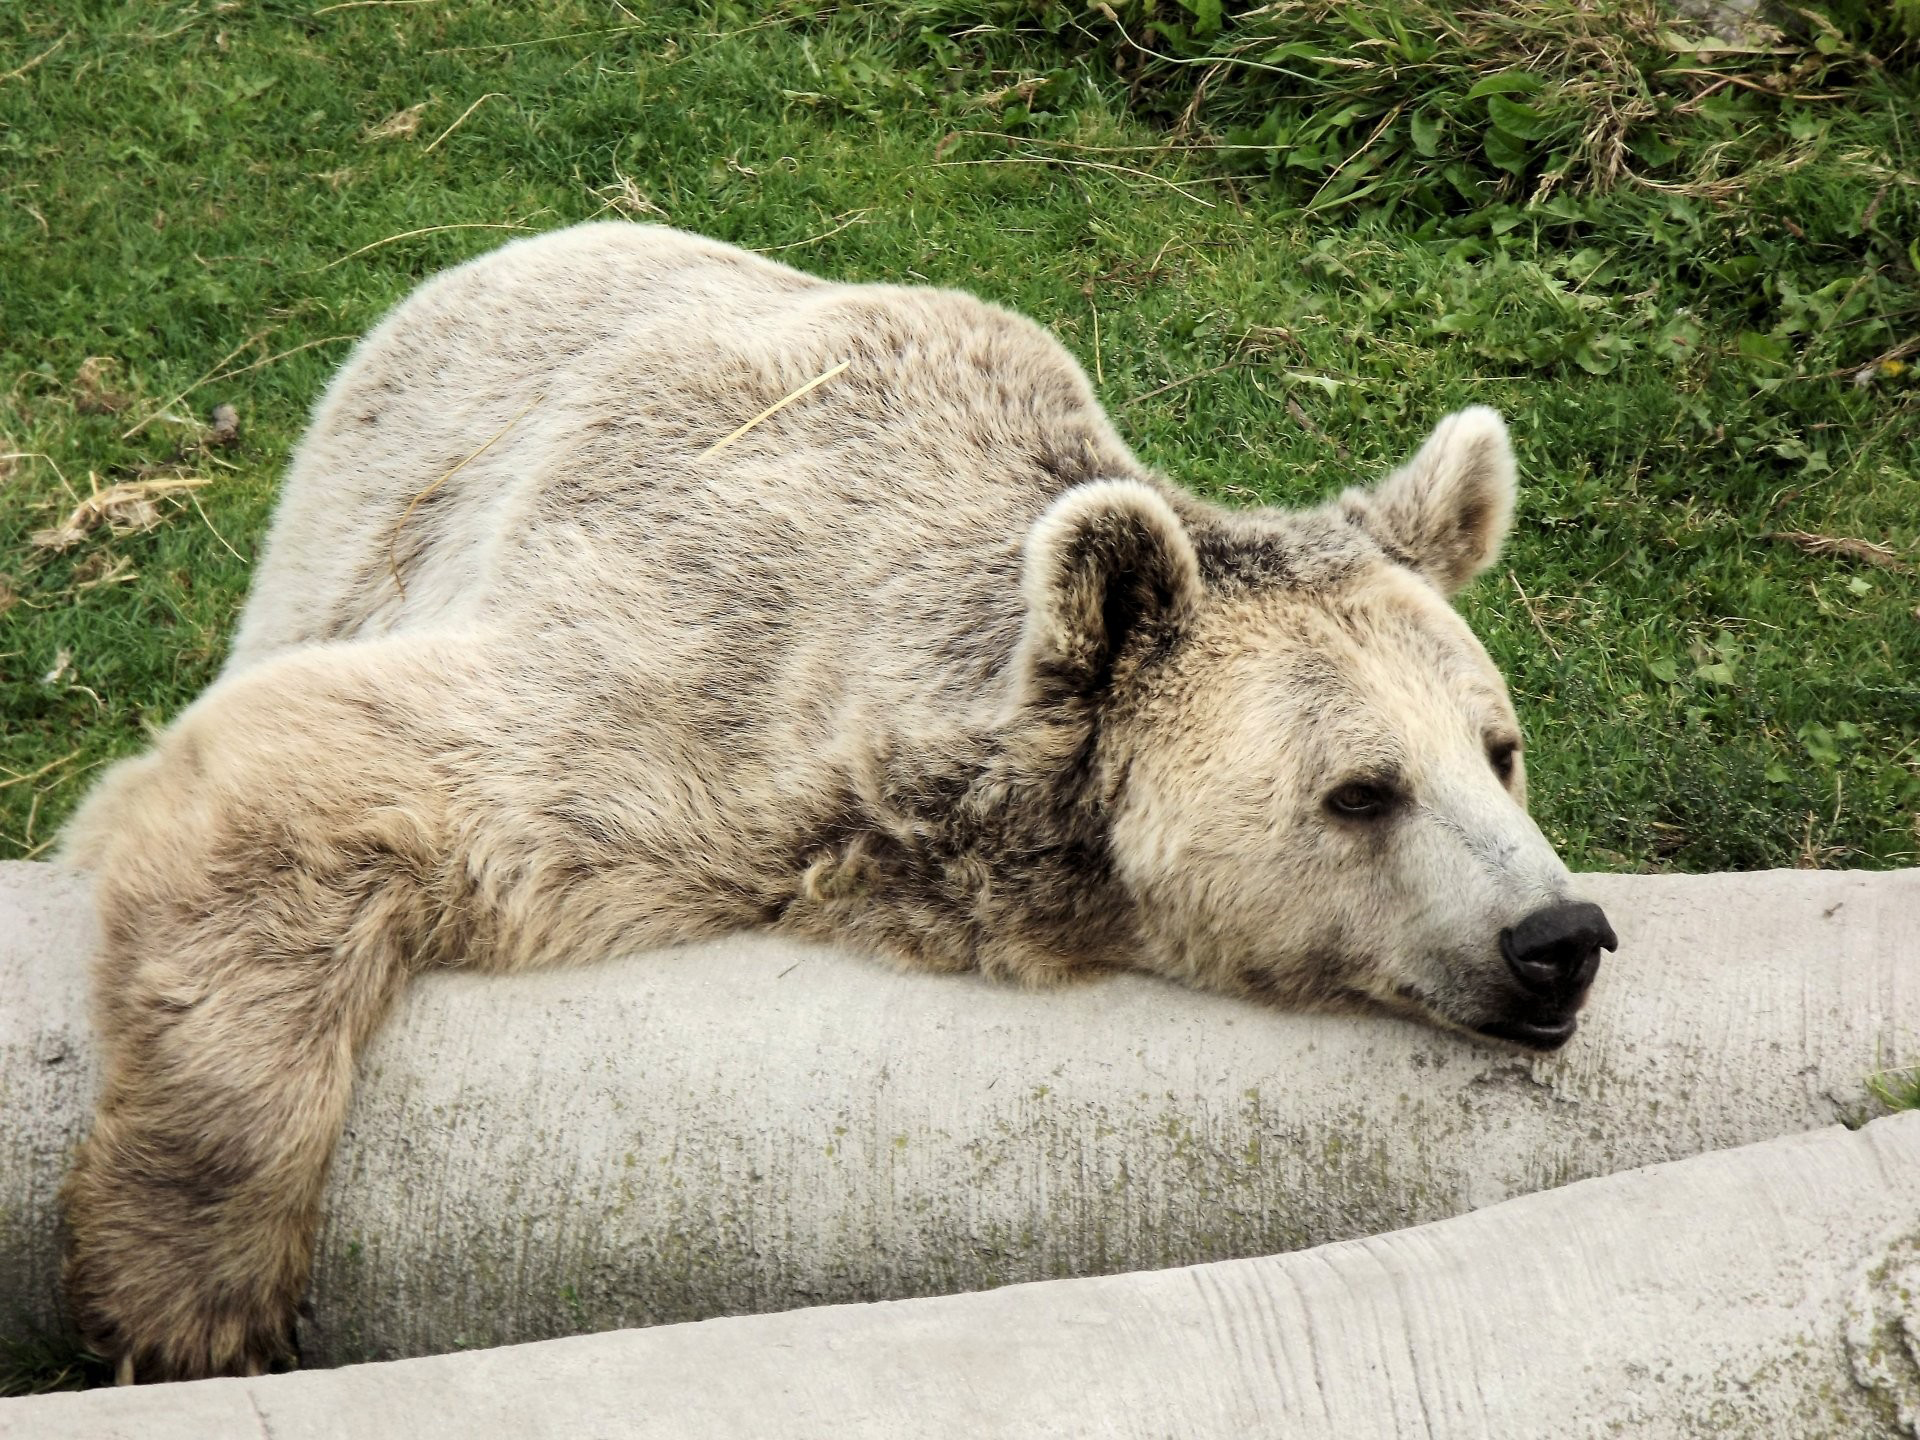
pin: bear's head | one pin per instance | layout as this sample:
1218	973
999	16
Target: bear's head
1311	774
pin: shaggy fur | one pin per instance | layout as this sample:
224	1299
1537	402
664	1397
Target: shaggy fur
925	663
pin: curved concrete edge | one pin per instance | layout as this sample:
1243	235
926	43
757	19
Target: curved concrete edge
1763	1291
751	1126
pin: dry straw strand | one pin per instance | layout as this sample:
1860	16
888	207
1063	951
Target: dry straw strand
220	364
542	40
410	234
52	464
268	360
774	408
15	74
367	4
207	520
393	540
490	95
217	373
847	222
50	765
1177	187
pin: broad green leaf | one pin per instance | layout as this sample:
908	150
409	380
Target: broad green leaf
1425	129
1653	150
1679	339
1802	125
1507	82
1324	382
1736	269
1819	743
1206	15
1506	151
1516	118
1594	361
1346	194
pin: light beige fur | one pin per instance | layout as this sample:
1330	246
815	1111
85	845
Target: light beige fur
925	663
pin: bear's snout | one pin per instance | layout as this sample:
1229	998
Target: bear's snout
1555	951
1553	955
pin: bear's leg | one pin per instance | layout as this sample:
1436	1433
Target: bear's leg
266	880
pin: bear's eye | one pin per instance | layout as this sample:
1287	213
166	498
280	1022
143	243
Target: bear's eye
1361	800
1500	755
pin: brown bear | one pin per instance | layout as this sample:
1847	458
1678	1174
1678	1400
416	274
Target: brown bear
629	588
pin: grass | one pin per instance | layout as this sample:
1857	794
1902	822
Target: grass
44	1364
1285	243
1897	1089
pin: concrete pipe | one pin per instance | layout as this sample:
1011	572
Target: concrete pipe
1763	1291
749	1126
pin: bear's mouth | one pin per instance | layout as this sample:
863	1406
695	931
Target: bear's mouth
1539	1033
1534	1034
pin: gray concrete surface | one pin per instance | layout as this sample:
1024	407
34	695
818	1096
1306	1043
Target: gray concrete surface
748	1126
1767	1291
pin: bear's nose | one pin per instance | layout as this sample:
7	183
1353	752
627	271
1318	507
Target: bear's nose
1556	950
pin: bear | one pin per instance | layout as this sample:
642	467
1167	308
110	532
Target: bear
629	588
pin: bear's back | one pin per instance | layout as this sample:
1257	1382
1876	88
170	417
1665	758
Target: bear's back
529	443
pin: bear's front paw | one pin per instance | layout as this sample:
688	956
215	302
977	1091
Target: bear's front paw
153	1322
157	1325
167	1287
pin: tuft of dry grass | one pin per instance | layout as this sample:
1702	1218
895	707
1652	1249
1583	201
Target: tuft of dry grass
1844	546
624	196
400	125
1587	54
91	394
130	507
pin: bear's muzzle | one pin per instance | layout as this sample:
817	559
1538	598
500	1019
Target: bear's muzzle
1552	955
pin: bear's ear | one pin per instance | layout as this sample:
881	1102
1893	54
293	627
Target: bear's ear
1447	509
1106	564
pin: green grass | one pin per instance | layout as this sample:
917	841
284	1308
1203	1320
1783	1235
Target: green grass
1897	1089
1666	267
49	1363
